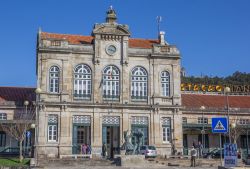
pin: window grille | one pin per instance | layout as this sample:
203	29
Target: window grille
111	120
141	120
82	119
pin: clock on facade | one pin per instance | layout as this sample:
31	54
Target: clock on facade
111	49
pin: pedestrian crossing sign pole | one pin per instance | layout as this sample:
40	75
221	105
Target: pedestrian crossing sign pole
220	125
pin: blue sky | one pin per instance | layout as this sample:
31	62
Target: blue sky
212	35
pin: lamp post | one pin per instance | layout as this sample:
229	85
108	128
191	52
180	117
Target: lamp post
233	126
26	103
202	108
38	92
226	92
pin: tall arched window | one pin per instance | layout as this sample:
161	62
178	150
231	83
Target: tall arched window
82	82
111	83
165	83
139	84
54	73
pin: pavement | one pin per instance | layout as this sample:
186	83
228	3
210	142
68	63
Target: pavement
109	164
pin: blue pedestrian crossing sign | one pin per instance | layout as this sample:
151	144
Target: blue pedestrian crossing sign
219	125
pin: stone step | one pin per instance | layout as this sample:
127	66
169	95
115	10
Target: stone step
75	162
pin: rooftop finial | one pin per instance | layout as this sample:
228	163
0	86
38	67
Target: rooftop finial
111	15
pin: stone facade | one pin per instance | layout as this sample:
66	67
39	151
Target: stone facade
108	117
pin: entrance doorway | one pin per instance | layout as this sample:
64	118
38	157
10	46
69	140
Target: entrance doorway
81	133
111	135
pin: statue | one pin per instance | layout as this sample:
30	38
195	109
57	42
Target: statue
138	141
128	146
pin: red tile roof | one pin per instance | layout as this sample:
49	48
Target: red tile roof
79	39
214	101
72	39
142	43
17	94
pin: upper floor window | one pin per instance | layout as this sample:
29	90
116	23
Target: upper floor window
111	83
165	80
243	121
139	84
55	43
184	120
54	79
82	82
203	120
3	116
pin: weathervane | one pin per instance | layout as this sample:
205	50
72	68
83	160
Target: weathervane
158	19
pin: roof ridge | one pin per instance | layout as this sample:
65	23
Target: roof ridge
143	39
67	34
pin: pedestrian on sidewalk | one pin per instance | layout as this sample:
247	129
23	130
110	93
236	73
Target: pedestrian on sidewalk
84	149
200	149
193	156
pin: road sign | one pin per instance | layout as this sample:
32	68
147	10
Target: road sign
219	125
28	134
230	155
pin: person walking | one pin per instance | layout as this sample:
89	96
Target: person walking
84	149
193	156
104	150
89	149
200	149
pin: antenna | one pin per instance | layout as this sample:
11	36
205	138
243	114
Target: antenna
158	20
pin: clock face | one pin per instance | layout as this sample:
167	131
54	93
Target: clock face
111	49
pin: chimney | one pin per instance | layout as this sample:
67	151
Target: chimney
162	38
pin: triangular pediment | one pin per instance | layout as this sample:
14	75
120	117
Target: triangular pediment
111	29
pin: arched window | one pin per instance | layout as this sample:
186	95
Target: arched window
165	81
111	83
82	82
139	84
54	79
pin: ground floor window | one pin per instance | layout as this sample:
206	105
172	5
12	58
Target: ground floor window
166	129
52	128
166	134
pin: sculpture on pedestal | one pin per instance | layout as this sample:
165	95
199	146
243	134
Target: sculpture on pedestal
128	146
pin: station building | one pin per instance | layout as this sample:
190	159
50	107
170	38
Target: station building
96	87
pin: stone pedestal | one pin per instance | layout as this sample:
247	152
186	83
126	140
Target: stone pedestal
132	160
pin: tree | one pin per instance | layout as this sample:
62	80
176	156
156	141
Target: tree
21	123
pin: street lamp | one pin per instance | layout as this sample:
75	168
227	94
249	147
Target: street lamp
226	92
233	126
26	103
38	92
202	108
